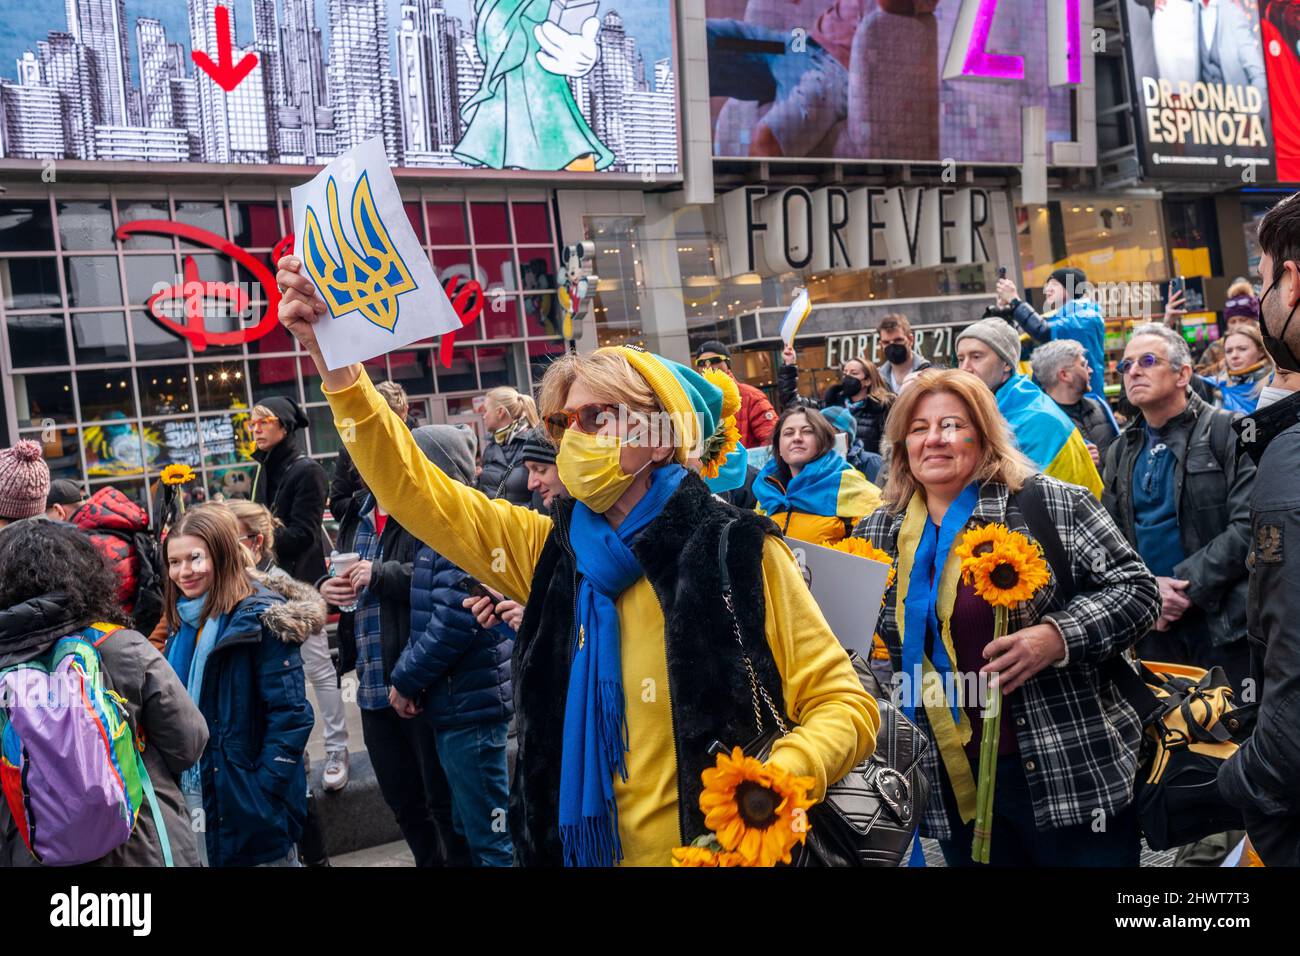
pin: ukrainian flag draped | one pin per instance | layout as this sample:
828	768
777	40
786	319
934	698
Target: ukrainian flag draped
827	488
1046	435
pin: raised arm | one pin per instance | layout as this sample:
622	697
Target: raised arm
495	541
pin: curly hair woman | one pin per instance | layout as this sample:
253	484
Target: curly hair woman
54	583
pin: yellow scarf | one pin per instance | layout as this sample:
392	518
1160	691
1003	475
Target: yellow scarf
950	737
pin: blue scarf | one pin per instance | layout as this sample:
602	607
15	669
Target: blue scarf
919	614
815	490
188	655
595	715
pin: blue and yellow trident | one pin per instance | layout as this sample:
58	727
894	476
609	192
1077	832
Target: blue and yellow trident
369	280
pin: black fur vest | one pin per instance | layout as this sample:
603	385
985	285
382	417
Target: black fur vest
707	683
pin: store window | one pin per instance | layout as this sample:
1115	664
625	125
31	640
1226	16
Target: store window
1112	239
115	396
1193	237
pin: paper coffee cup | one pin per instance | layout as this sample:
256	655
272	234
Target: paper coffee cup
339	563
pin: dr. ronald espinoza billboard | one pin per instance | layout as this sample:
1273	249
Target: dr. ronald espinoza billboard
576	86
901	80
1200	89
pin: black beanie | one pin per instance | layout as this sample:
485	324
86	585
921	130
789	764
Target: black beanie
1072	279
288	412
538	447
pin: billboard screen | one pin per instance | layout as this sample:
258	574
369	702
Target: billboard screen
865	79
1200	89
1280	25
540	85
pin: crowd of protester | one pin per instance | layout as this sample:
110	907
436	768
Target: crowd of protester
541	629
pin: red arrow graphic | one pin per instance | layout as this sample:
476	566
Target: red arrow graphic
225	72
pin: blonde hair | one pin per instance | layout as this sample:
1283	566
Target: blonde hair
503	396
258	519
999	460
395	396
261	411
874	387
606	374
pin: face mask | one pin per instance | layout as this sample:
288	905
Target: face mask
1270	394
851	386
896	353
590	469
1277	348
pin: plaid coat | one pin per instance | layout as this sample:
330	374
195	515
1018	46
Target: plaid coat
1077	737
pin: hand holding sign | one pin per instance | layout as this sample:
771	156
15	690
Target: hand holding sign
364	262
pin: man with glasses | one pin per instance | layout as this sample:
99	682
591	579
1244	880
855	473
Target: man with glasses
756	419
1263	777
1179	489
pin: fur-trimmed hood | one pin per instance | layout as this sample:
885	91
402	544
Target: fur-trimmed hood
300	615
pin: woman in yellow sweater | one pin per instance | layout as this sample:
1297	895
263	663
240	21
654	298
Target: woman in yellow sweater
807	487
625	668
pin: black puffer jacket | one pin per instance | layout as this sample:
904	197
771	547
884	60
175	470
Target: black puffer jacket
504	474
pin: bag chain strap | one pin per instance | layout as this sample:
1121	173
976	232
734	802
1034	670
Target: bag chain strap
755	690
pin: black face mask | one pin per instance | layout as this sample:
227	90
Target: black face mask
850	386
1277	348
896	353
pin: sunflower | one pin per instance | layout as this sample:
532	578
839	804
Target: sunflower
759	811
694	856
1005	567
863	548
177	475
719	445
730	392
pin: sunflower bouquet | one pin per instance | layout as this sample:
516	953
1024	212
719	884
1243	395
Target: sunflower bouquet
1006	569
756	812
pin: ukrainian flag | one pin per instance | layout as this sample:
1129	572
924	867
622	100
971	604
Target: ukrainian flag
826	492
1046	435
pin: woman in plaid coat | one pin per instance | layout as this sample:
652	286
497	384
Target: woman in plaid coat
1068	748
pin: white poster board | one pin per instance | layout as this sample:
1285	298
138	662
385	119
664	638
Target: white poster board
848	589
358	248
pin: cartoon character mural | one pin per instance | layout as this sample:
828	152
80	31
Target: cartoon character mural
524	115
118	449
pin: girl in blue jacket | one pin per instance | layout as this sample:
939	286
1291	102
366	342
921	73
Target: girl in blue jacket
236	650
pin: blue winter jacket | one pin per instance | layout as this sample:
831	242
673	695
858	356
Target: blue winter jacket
461	670
255	703
1078	319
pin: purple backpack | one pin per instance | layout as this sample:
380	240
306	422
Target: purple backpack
71	765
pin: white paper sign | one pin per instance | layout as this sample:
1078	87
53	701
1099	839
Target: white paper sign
848	589
359	250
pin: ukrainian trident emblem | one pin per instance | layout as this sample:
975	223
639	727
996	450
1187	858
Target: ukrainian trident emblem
366	277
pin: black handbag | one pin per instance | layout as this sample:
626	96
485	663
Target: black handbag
869	817
1189	724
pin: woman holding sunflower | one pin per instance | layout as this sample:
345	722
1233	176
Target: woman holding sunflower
973	600
625	669
807	487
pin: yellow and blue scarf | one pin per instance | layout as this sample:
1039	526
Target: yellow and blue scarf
1045	433
827	486
928	575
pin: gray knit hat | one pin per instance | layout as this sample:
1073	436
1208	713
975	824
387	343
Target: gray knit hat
997	335
24	481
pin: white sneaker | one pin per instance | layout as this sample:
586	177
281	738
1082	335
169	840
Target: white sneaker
336	770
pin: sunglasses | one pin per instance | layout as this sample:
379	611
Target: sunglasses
709	362
588	419
1146	360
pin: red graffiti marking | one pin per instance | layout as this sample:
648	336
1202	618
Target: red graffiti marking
192	291
467	301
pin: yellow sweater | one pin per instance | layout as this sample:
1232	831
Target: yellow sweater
500	544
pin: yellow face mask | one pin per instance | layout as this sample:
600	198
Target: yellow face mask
591	471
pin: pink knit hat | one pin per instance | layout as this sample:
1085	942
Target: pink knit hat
24	481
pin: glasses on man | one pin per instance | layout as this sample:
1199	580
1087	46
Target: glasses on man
587	418
709	361
1146	360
